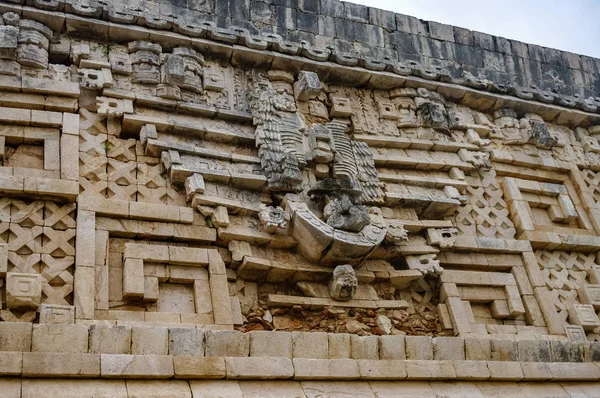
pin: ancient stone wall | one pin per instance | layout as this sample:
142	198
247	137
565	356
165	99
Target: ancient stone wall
183	200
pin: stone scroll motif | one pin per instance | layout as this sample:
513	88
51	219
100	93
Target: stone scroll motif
151	179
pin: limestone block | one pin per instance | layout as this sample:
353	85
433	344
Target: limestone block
3	259
197	367
534	350
219	292
70	124
15	336
584	315
149	341
202	297
155	388
566	351
505	371
133	278
60	338
448	348
271	389
504	350
216	389
227	344
478	349
188	255
339	345
110	339
381	369
54	364
574	371
536	371
23	291
430	370
85	243
74	388
419	347
325	369
259	368
471	370
136	366
57	314
364	347
84	288
151	290
187	342
308	86
310	345
11	364
184	274
392	347
270	344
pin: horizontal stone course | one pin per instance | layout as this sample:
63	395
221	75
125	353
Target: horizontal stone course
366	31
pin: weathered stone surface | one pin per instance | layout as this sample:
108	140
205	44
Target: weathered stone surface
53	364
310	345
325	369
163	388
60	338
227	344
186	342
195	367
149	341
110	339
259	368
15	336
136	366
271	344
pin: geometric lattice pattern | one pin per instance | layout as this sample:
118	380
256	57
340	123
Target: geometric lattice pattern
564	274
41	240
486	213
592	180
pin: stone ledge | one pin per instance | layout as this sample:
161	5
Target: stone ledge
105	338
120	388
77	365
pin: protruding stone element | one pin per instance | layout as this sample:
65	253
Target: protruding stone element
273	219
113	107
442	237
23	291
34	41
344	283
145	60
340	198
57	314
433	113
427	264
308	86
584	315
194	184
278	136
93	79
539	134
396	232
183	68
575	333
8	42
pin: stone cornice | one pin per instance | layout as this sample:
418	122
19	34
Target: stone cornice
106	21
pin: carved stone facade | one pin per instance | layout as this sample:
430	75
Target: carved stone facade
157	187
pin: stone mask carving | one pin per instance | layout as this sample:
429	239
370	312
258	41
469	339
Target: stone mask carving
342	209
344	283
273	219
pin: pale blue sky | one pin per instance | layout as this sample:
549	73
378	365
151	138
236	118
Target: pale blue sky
570	25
